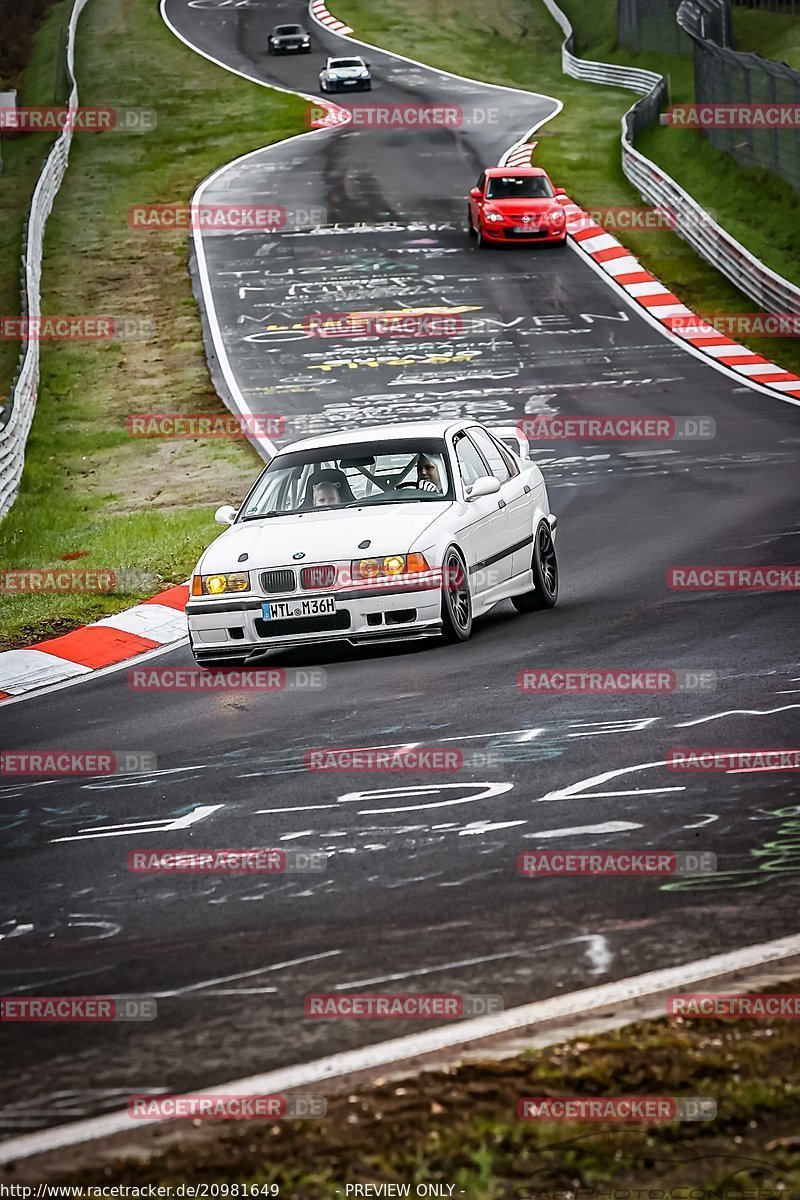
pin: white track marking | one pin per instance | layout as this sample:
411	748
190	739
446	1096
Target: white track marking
90	674
666	333
631	792
461	1034
710	818
137	827
208	983
736	712
575	830
573	789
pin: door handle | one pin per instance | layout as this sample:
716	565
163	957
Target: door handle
501	503
526	489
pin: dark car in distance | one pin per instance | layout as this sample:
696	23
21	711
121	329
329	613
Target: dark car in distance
289	39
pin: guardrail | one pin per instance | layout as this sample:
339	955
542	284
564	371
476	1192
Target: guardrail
17	415
692	222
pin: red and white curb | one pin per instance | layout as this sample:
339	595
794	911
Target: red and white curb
520	155
154	624
319	10
616	261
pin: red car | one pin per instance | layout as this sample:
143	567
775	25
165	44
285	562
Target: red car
516	204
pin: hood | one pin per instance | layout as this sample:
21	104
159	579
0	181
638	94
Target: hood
322	536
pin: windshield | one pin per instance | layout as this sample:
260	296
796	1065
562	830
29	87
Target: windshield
287	30
411	470
336	63
518	187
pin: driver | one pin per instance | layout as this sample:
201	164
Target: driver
428	479
326	493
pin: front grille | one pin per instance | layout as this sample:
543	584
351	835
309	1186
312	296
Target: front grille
337	620
313	579
278	581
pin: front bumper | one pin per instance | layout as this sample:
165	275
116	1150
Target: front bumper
346	85
233	628
495	232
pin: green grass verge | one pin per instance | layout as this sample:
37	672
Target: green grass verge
772	35
43	82
515	42
458	1126
88	488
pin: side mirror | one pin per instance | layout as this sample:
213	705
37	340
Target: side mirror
476	193
561	191
225	515
487	485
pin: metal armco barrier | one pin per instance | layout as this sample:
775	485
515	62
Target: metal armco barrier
768	289
17	413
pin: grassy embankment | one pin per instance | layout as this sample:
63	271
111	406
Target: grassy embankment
89	489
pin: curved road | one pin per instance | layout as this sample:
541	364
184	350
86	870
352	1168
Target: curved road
420	890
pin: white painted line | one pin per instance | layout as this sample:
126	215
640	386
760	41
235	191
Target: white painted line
574	830
87	672
696	352
653	288
759	369
444	1037
21	670
736	351
158	622
669	310
618	266
603	241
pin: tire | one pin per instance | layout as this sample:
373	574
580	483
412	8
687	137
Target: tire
563	241
456	598
367	87
480	240
470	226
544	566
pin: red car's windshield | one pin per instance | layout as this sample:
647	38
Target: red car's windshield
518	187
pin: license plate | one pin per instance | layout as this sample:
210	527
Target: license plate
526	228
283	610
350	82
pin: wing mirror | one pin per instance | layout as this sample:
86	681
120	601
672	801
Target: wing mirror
487	485
561	191
225	515
476	193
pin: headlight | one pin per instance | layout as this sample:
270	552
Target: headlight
557	216
386	568
220	585
493	216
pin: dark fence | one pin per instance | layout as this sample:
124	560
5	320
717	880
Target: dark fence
756	86
651	26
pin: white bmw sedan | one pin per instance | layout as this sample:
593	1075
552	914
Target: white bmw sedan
393	533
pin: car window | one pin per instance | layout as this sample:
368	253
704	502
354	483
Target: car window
519	187
509	459
497	464
286	30
482	181
401	470
346	62
470	463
